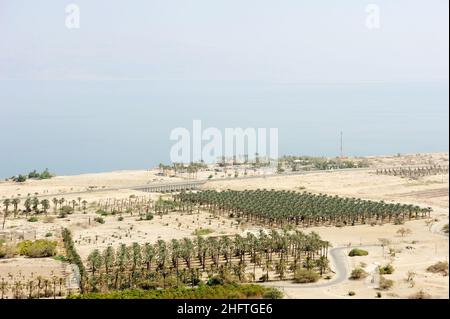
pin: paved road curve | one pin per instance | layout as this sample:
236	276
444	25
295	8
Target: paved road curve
340	265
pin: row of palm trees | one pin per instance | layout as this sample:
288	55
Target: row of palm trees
32	205
305	209
413	172
143	205
192	168
131	205
294	163
187	261
34	288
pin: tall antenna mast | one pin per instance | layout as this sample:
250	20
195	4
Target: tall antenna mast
342	153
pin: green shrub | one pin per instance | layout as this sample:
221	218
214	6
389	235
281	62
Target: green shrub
358	273
7	250
38	248
351	293
445	228
147	285
272	293
62	215
202	231
120	218
215	280
99	220
358	252
378	295
71	252
385	284
44	175
33	174
20	179
303	276
48	219
386	270
66	210
231	291
439	267
223	279
60	258
48	235
32	219
288	227
102	212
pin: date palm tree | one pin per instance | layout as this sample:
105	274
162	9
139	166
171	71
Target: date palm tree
202	249
225	245
136	256
27	205
175	255
162	254
61	201
108	259
322	263
35	204
6	204
281	268
15	202
84	203
149	255
95	261
45	203
74	203
55	204
187	251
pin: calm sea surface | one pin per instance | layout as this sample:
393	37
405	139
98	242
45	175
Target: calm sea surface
73	127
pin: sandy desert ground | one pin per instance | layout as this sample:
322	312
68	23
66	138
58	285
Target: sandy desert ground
424	246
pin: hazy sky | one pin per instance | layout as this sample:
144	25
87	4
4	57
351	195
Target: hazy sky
287	40
107	95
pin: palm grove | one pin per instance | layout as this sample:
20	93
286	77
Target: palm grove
33	206
267	255
277	208
220	260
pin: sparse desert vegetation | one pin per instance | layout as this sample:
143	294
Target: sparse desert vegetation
358	252
202	231
385	284
201	292
420	295
386	270
303	276
440	267
358	273
102	231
